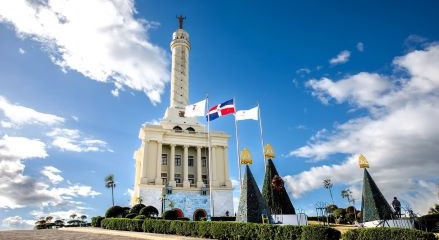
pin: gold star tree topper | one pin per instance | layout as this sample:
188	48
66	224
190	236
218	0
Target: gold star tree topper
363	161
245	157
268	151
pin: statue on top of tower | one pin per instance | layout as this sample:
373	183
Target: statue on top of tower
180	21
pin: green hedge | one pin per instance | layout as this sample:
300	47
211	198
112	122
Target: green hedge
242	231
223	230
387	234
123	224
96	221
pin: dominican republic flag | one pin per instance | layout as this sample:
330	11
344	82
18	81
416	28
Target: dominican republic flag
219	110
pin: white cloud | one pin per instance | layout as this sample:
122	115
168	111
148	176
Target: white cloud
153	122
52	174
18	115
75	118
399	137
109	45
363	89
21	51
341	58
303	71
72	140
16	223
360	46
15	148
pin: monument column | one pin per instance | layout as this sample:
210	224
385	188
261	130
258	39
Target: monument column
199	180
172	166
158	179
186	183
213	171
144	162
227	181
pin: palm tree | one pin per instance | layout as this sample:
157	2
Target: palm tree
73	216
328	185
347	193
434	209
109	183
83	217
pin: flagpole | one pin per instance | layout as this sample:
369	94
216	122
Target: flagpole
262	139
237	148
210	157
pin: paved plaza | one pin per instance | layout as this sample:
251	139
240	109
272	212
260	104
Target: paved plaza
84	233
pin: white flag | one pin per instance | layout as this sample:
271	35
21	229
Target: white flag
251	114
196	109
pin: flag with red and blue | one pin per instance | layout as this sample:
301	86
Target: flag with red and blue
219	110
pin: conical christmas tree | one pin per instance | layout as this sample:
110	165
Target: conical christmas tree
252	207
373	206
274	192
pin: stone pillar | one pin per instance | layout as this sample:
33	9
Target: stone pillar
144	156
199	180
228	183
213	170
186	183
158	178
172	167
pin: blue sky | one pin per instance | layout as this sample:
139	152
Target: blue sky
333	78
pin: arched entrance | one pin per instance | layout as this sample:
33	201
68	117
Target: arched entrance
199	214
180	213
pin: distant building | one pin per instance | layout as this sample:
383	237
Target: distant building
173	158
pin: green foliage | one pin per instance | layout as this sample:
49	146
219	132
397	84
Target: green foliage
434	209
149	211
331	208
320	232
122	224
140	217
136	208
96	221
131	215
430	222
387	234
170	215
114	212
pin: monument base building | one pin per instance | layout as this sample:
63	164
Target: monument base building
173	169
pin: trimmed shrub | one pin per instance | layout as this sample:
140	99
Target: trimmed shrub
387	234
149	211
123	224
96	221
320	232
170	215
429	222
114	212
136	208
131	215
140	217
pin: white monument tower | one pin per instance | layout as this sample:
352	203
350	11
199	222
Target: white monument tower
173	156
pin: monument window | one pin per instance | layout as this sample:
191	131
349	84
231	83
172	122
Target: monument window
191	178
190	161
164	178
177	178
164	159
178	129
204	179
190	130
177	160
203	161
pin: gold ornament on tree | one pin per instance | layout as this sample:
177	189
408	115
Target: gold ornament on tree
363	161
269	152
245	157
